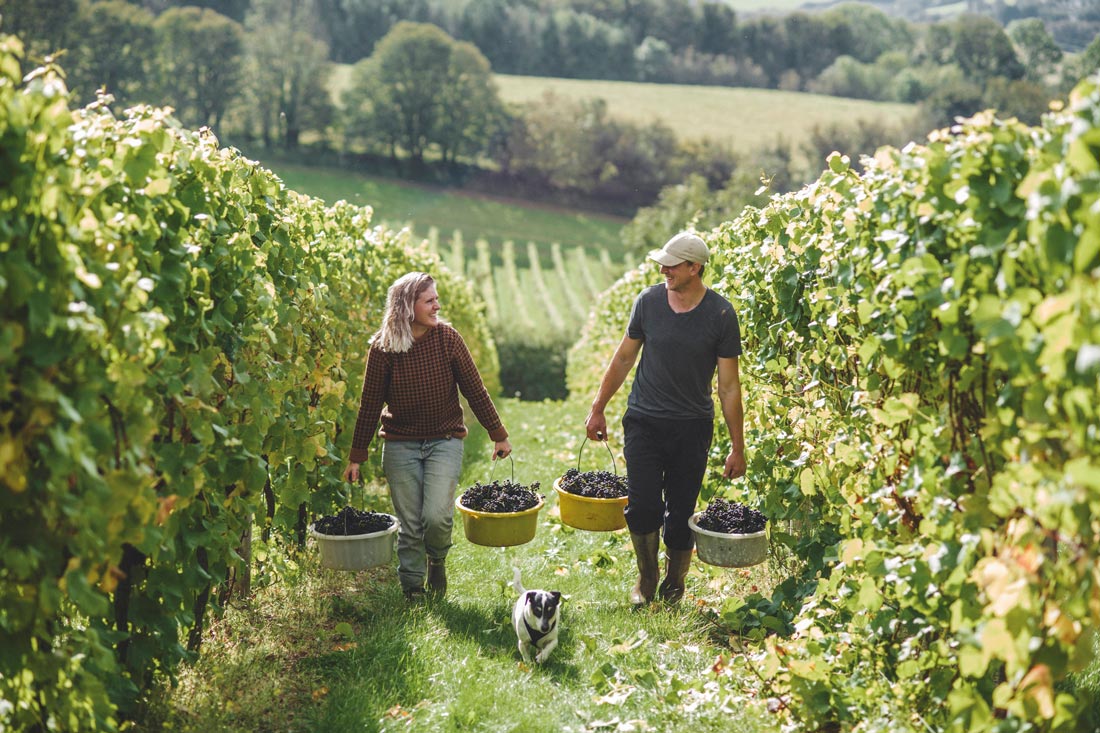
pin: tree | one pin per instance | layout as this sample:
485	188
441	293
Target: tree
675	22
44	25
353	27
287	69
717	33
813	42
983	50
594	49
638	17
484	25
848	77
553	56
115	50
947	102
420	88
705	204
471	104
235	9
764	40
653	58
1084	64
1036	48
1025	100
869	31
200	55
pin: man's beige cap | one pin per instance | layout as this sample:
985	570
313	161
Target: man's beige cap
685	246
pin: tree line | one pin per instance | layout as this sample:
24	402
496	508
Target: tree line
422	98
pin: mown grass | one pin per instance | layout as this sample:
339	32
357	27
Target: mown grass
326	650
745	119
399	204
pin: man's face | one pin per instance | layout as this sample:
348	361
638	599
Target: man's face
677	277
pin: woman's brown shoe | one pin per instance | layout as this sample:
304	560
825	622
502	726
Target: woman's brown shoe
437	577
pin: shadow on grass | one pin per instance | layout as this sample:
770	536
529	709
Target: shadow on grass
488	626
491	629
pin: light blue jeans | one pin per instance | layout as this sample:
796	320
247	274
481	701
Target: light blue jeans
423	476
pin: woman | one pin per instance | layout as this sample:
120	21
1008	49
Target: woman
416	367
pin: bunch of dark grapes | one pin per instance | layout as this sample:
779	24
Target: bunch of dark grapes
729	517
593	484
499	497
350	521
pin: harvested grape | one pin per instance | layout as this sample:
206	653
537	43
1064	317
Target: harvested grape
499	497
729	517
593	484
350	521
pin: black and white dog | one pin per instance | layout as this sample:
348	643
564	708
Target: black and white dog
535	618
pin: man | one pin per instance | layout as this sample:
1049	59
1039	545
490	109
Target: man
684	332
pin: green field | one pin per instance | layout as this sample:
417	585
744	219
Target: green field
477	217
537	268
743	118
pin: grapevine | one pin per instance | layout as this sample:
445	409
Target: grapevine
922	387
182	340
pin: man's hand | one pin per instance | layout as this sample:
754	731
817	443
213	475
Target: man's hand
622	362
351	473
735	465
595	425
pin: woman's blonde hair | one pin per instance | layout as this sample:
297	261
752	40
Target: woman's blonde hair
396	335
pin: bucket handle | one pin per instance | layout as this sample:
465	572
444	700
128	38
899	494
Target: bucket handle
494	469
581	450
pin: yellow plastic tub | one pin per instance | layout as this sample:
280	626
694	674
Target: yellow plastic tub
589	513
499	529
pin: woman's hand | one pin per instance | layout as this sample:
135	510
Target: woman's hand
351	473
502	449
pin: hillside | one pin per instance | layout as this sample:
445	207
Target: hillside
742	117
1072	23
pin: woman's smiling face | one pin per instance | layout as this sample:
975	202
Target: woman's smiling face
425	311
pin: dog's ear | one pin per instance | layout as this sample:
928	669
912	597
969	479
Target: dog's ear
556	594
529	597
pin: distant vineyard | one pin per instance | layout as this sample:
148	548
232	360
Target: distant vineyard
546	293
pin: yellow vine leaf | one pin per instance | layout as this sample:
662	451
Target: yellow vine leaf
1038	685
11	465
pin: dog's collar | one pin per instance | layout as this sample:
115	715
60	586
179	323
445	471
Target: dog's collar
535	634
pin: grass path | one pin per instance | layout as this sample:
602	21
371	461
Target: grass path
326	650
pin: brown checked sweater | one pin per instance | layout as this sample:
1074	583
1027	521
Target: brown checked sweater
419	390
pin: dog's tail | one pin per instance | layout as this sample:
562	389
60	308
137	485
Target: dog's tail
517	586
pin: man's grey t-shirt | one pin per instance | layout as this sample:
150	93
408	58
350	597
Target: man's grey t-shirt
680	353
